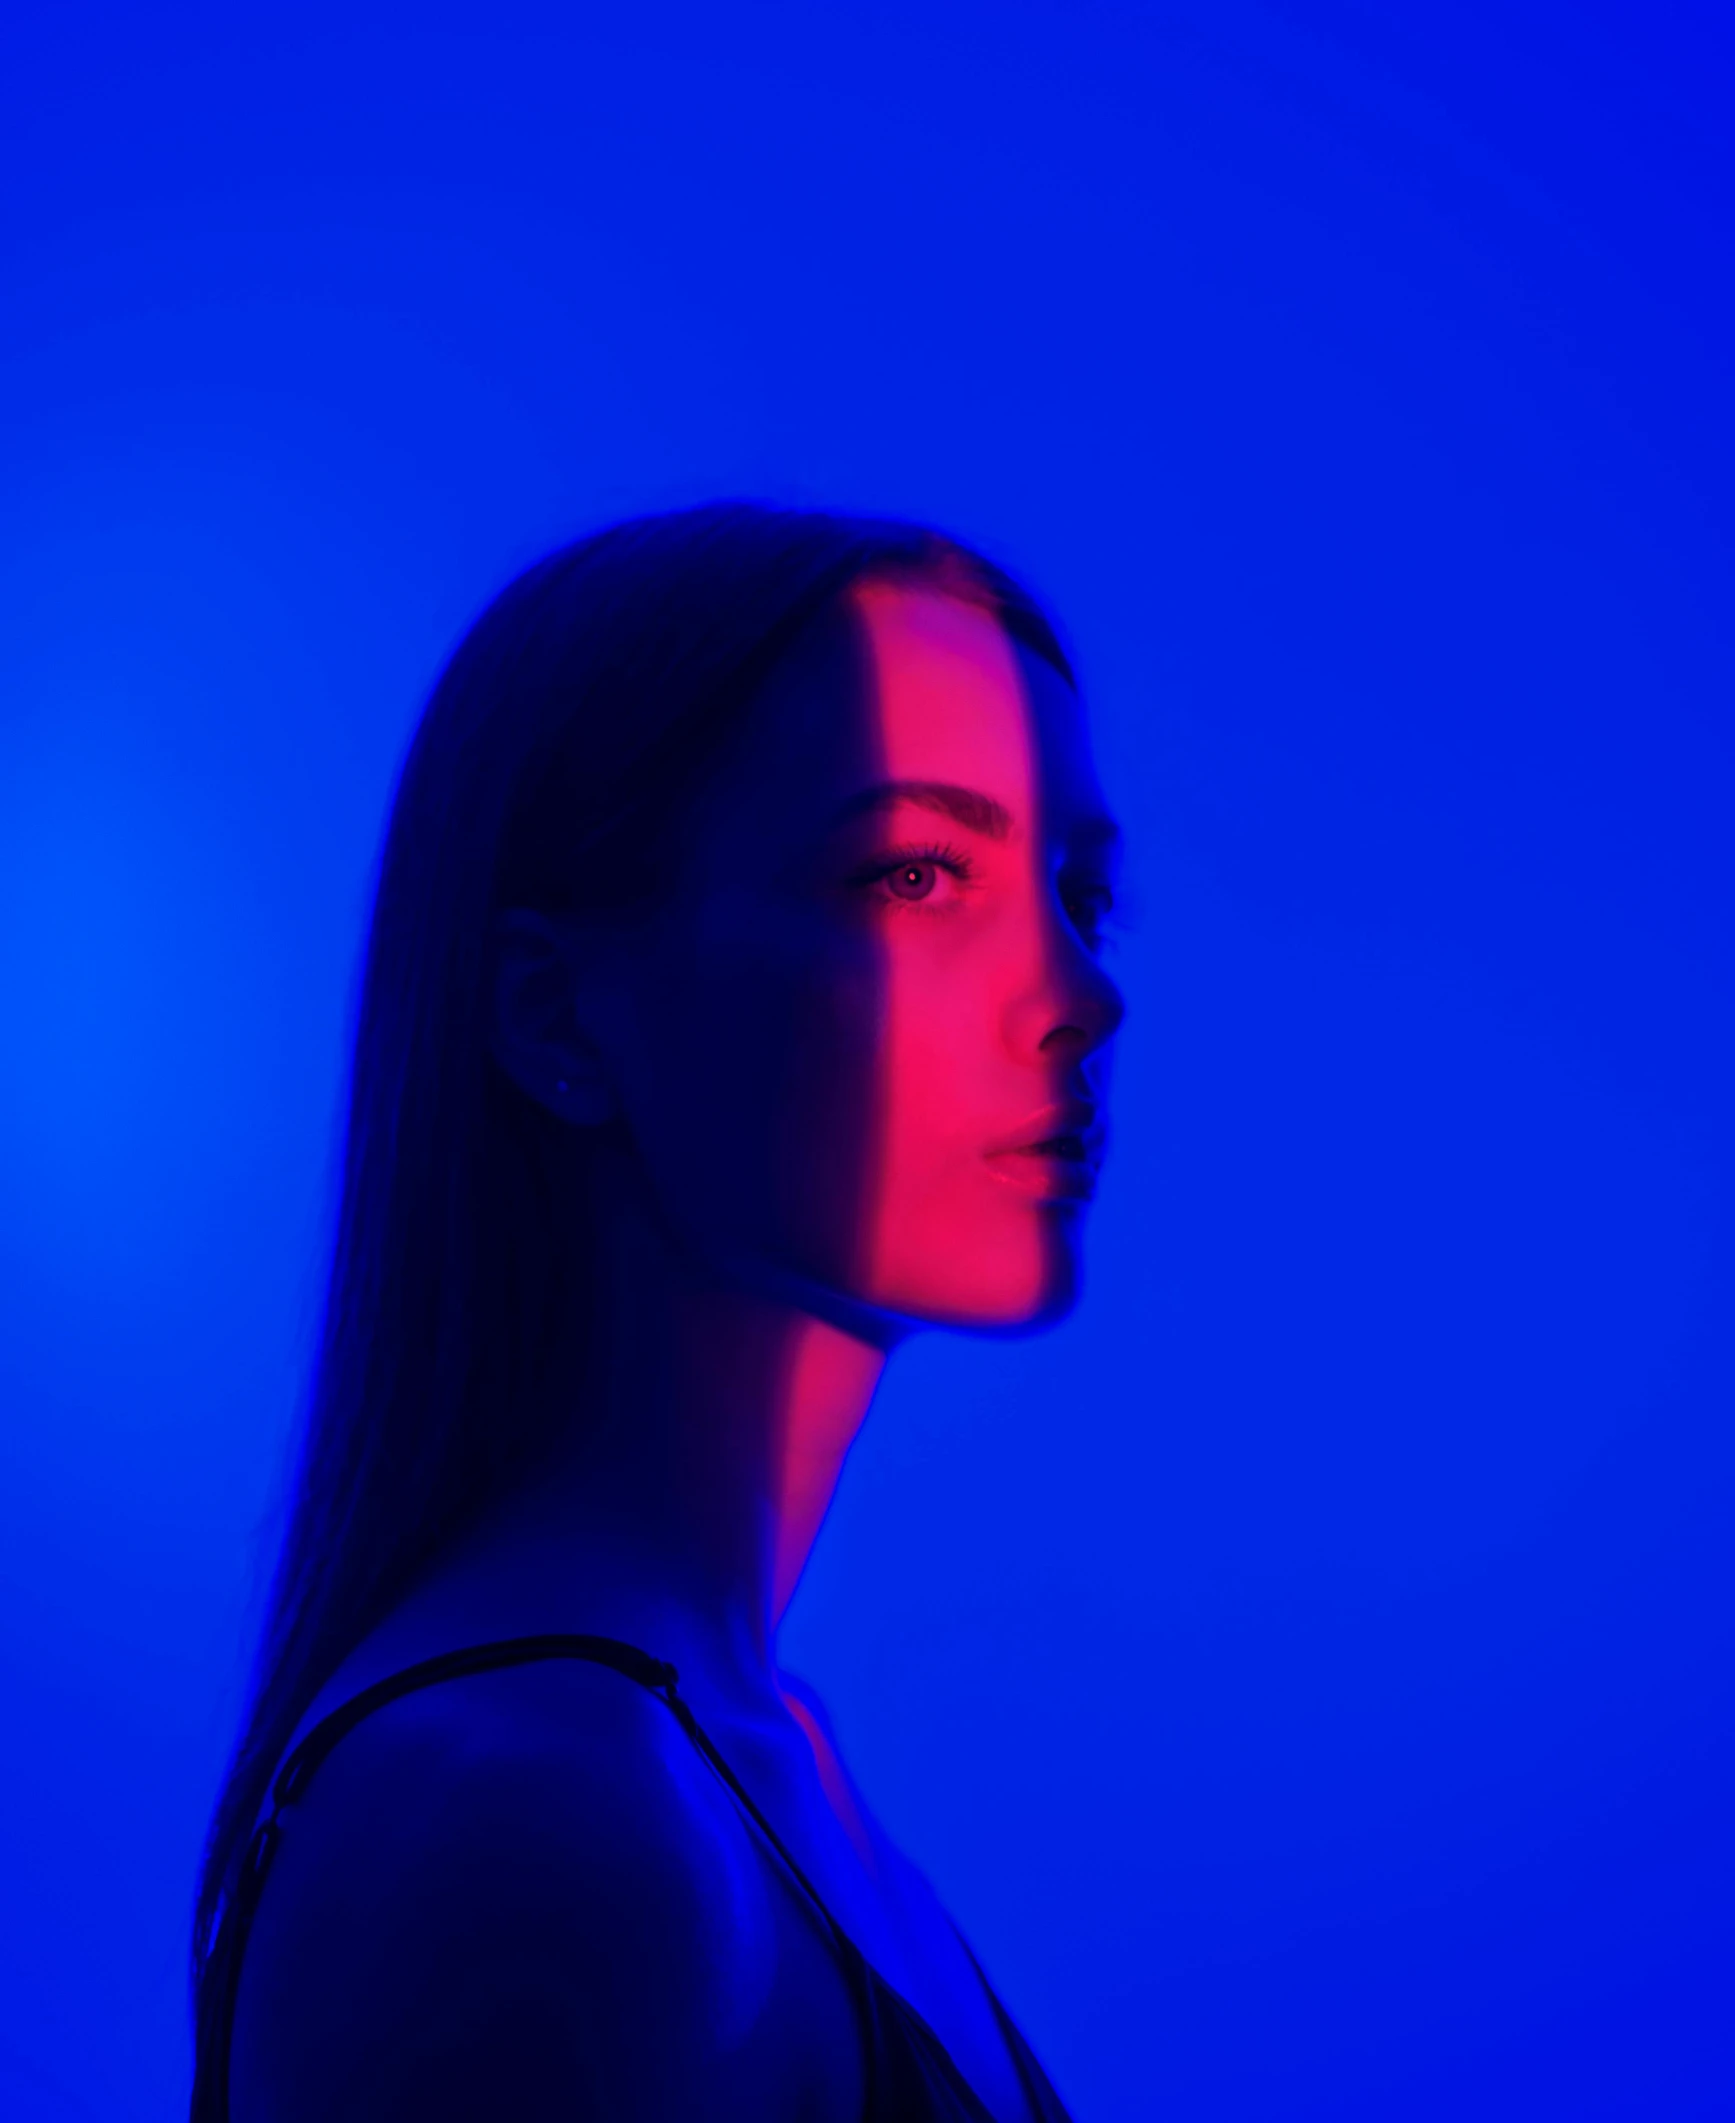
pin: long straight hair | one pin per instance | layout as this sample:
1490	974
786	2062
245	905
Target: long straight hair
593	691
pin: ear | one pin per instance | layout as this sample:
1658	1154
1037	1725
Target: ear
535	1032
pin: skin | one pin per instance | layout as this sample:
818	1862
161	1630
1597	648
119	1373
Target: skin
807	1102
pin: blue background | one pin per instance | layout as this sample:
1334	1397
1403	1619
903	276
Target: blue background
1307	1674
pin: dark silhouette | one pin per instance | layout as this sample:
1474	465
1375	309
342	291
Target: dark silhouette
732	1008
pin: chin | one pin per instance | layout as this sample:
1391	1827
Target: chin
990	1281
1054	1307
977	1294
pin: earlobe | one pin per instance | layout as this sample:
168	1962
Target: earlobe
535	1032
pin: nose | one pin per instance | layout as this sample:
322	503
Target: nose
1073	1008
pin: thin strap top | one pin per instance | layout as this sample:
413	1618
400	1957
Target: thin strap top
911	2078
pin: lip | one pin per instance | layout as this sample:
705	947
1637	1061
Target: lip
1055	1155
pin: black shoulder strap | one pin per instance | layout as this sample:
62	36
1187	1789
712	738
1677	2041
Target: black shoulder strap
305	1757
211	2075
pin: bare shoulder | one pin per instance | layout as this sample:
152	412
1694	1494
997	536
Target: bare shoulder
518	1894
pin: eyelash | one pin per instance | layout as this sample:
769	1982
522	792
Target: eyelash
943	856
1106	910
1098	912
1092	905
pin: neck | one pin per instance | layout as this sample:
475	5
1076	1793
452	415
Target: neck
702	1430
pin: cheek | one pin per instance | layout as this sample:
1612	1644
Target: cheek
823	1130
947	1238
753	1090
933	1057
824	1104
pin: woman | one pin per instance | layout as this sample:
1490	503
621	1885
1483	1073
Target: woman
732	1008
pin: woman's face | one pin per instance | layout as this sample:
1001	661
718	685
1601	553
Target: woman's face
862	1051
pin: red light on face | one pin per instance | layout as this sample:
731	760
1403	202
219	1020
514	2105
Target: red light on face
985	1140
861	1053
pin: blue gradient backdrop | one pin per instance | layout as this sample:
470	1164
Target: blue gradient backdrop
1308	1674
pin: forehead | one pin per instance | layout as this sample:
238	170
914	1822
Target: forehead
898	682
947	696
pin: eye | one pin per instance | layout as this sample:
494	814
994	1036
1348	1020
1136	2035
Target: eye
1089	903
913	880
929	878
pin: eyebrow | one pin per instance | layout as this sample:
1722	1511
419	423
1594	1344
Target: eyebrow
981	814
970	807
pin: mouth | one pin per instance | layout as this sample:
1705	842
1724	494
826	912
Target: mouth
1071	1147
1058	1166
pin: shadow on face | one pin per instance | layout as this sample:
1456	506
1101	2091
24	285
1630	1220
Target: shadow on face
865	1045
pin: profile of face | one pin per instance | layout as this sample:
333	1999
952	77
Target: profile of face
859	1053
